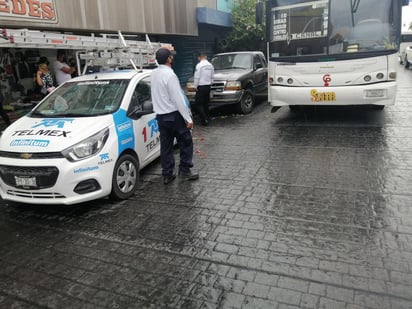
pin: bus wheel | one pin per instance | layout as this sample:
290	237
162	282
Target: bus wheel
247	103
294	108
378	107
125	177
406	63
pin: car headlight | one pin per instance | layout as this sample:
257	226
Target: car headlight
87	148
233	85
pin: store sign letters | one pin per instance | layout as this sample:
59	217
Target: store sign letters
29	10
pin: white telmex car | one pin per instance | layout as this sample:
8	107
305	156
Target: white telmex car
88	139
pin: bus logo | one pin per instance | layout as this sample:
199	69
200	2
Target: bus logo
326	80
322	96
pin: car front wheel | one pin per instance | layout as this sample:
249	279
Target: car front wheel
247	103
125	177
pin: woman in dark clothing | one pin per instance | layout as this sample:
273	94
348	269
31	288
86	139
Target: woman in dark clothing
44	79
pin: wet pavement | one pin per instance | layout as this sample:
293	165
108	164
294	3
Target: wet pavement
291	211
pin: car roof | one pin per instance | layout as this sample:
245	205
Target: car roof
121	74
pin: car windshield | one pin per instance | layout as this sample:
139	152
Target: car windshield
83	99
232	61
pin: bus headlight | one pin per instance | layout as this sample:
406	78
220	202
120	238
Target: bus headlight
280	80
290	81
392	75
367	78
379	75
87	148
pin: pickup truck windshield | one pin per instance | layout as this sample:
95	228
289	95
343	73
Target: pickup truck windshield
83	99
232	61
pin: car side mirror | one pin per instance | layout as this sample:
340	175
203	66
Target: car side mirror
148	106
258	66
137	112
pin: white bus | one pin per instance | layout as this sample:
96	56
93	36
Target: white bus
333	52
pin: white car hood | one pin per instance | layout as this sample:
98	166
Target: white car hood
50	134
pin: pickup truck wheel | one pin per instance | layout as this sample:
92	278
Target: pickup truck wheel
247	103
125	177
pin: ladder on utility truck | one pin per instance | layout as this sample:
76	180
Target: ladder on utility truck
104	50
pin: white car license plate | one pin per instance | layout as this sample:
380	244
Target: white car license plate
25	181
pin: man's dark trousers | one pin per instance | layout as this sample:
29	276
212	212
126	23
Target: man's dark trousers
173	126
202	102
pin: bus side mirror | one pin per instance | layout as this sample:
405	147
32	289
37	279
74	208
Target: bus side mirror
259	13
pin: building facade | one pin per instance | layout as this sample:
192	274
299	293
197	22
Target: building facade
190	25
131	16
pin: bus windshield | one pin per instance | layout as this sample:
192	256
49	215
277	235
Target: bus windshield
332	27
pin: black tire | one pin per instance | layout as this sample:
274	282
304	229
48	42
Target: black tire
406	63
125	177
247	103
378	107
295	108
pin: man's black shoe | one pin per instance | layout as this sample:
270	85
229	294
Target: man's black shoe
168	179
188	176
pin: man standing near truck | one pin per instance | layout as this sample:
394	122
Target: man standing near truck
62	71
203	80
173	118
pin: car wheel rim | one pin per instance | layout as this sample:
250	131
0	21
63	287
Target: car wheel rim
248	102
126	176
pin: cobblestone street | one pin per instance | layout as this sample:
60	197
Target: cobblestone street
291	211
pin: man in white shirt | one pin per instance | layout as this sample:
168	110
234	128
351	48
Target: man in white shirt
173	117
203	80
62	71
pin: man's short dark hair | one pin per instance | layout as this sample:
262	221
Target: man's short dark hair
43	59
162	54
201	54
60	52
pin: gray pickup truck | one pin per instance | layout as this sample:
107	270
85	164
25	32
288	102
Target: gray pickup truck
240	78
